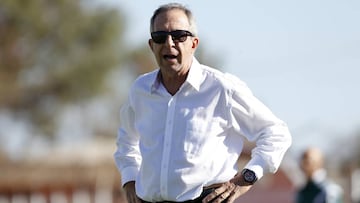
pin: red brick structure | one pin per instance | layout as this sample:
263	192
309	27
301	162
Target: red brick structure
89	175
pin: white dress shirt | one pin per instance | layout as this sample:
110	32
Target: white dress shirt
173	146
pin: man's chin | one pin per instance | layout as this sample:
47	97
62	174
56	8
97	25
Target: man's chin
170	62
172	70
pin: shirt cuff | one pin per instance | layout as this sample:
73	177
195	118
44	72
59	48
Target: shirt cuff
258	165
128	174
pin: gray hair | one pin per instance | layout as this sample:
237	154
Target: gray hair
172	6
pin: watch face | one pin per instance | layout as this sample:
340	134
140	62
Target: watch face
249	176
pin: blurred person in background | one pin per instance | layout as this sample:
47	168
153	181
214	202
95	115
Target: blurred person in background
183	125
318	187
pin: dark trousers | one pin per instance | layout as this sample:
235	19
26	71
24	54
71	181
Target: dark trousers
197	200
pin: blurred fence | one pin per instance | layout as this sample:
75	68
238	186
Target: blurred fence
89	175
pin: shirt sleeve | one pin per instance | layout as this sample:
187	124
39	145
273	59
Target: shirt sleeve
127	156
252	119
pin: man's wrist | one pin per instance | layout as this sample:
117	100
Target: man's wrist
249	176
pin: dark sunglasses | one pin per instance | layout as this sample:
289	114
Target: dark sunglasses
160	37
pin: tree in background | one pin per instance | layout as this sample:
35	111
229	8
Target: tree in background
57	58
54	52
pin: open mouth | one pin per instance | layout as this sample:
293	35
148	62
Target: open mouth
169	56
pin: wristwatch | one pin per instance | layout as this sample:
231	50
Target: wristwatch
249	176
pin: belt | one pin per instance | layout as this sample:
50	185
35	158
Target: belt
207	190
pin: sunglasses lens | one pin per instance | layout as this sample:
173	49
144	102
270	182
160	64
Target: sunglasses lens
179	35
160	37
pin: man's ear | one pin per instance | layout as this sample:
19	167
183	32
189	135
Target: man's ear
195	42
150	42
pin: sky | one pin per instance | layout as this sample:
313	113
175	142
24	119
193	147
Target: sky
301	58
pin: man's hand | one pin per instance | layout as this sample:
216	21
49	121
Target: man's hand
229	191
129	189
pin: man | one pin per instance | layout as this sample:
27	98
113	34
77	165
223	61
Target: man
318	189
183	125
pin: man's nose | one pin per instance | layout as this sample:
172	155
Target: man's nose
169	41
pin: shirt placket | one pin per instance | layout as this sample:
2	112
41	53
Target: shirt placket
167	147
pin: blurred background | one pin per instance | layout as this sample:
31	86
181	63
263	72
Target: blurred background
66	66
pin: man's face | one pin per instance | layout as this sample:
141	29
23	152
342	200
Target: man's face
307	165
311	161
173	58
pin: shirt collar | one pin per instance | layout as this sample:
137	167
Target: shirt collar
319	175
156	83
194	77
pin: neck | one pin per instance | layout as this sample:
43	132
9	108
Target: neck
173	84
172	81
